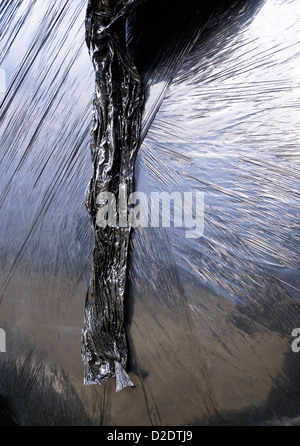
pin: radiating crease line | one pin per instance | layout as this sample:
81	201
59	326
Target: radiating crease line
35	133
64	169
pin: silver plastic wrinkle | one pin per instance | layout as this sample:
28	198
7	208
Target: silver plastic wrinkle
117	108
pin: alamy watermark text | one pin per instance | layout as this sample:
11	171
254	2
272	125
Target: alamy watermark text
177	209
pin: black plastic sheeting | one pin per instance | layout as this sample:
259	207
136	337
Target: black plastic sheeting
117	113
209	320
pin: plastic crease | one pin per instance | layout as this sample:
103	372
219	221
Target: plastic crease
117	104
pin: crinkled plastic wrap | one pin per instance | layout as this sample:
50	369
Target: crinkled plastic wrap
118	103
210	321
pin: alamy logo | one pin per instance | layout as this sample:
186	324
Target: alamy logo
2	341
296	342
177	209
